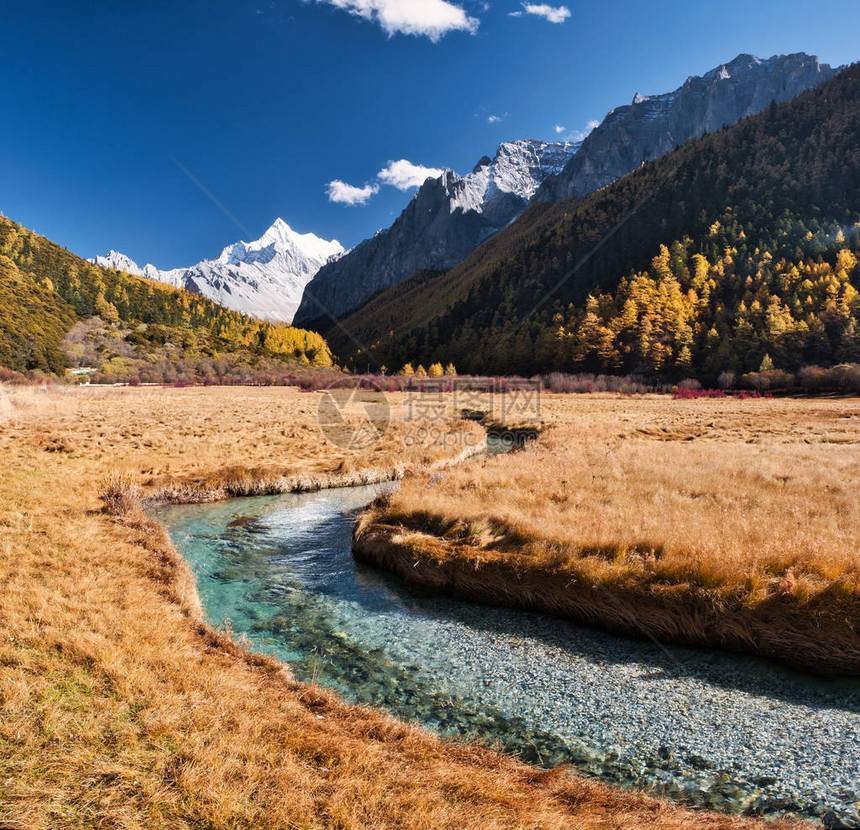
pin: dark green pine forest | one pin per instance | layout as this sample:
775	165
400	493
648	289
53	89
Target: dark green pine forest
736	252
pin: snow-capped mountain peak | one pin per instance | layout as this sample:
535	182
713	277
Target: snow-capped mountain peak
114	259
283	237
281	240
265	278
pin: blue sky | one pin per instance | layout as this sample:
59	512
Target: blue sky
268	101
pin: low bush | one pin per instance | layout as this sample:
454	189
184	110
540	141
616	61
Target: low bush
120	496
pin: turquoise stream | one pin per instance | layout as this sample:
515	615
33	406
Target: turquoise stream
706	728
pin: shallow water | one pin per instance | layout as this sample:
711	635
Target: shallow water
706	728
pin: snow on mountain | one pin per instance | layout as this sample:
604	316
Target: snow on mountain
265	278
114	259
517	170
446	220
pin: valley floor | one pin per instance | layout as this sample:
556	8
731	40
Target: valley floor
729	523
120	707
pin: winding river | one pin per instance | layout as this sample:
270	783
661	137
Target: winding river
702	727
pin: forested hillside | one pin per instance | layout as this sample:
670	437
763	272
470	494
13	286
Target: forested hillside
735	251
45	291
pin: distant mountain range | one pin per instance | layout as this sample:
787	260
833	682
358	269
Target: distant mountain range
287	276
265	278
736	253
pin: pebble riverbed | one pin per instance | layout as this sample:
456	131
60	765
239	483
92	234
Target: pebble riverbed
706	728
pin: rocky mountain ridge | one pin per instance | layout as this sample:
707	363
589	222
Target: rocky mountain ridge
446	220
653	125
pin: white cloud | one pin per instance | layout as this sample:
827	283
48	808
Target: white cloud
430	18
551	13
494	119
401	174
581	135
559	129
404	174
347	194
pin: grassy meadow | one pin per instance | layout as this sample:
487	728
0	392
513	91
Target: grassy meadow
717	522
120	707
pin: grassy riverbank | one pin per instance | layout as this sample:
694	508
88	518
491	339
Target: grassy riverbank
119	707
723	523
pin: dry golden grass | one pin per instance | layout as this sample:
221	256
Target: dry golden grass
120	708
715	522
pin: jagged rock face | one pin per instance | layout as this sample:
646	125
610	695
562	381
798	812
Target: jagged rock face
654	125
446	220
265	278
